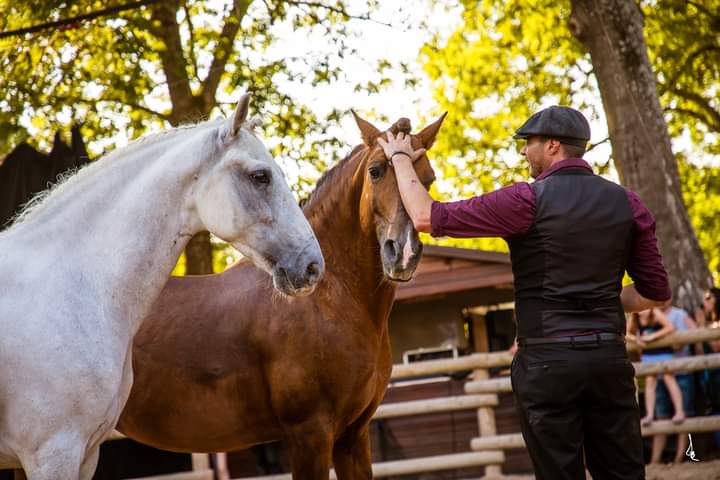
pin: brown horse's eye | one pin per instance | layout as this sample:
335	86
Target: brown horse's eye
376	172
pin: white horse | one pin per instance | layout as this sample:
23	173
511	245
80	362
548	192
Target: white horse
80	270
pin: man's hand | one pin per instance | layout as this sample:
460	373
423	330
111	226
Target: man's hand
400	146
632	301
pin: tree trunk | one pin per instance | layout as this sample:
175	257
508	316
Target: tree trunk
612	31
198	255
190	107
185	108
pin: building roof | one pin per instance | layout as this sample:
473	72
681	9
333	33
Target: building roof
444	270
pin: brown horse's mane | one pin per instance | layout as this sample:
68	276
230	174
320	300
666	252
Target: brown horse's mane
330	177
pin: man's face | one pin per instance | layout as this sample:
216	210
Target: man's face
534	151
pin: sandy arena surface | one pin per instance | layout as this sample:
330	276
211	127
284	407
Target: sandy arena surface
687	471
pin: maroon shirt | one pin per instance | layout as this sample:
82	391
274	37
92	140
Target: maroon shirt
511	211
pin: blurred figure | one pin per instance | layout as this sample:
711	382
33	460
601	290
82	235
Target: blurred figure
682	321
709	317
646	327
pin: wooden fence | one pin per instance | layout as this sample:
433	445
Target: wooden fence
481	394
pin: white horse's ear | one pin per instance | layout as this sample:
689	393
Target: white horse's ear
236	120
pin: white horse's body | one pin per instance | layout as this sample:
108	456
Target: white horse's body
79	273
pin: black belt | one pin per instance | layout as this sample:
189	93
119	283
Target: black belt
593	338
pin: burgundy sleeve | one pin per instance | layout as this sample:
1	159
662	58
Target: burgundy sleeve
502	213
645	263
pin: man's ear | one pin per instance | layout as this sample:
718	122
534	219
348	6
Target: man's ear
553	146
367	130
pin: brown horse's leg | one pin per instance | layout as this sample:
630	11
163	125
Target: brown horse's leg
352	457
310	449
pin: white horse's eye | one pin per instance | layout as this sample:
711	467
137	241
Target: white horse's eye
260	177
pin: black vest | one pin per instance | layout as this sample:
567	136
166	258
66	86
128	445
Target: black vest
569	266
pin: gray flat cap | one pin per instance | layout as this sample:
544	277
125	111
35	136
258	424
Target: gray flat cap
562	123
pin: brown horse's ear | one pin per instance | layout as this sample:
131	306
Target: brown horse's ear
428	134
367	130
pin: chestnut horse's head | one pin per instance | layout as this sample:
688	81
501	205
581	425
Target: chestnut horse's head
381	206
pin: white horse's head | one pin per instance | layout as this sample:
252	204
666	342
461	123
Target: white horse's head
243	199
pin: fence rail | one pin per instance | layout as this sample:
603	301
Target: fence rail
677	365
481	394
659	427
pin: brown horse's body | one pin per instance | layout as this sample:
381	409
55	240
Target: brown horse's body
224	362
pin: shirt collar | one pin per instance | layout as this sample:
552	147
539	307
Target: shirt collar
567	163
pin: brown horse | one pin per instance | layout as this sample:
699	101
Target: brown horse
224	362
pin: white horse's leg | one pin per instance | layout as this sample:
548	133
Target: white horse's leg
57	459
87	469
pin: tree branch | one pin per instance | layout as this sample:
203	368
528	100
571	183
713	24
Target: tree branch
191	30
74	22
688	60
593	145
136	106
701	8
713	116
222	52
690	113
337	10
174	63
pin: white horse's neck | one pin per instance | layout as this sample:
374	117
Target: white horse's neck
121	225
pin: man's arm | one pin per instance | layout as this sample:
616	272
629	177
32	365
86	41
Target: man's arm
651	286
415	198
633	302
501	213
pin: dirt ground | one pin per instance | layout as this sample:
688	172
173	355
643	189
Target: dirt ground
687	471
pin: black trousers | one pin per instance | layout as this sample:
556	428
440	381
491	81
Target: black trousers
579	400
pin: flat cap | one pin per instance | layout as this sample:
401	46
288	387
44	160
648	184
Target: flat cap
562	123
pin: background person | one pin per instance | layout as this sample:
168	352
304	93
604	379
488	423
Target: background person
680	319
709	317
645	327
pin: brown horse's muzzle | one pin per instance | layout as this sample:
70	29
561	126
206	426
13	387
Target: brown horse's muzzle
400	257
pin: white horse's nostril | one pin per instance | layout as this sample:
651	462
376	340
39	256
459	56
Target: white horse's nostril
312	272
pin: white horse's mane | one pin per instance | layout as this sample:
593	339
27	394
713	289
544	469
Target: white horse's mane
66	179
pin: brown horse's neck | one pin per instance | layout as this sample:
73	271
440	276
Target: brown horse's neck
350	247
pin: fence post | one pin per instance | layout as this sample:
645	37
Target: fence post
200	461
486	423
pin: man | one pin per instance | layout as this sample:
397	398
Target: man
572	236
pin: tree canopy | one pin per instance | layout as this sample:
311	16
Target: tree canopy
508	58
171	62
